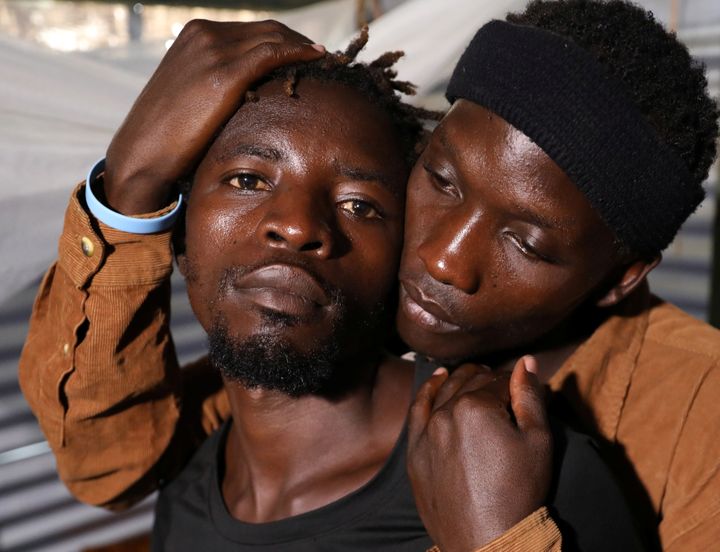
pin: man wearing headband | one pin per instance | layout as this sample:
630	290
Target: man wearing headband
578	139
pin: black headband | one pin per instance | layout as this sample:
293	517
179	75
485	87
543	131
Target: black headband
557	94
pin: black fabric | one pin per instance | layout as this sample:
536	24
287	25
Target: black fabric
558	95
381	516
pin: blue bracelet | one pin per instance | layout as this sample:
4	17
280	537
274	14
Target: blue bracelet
115	220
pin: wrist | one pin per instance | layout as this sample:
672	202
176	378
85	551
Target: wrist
118	221
134	195
472	535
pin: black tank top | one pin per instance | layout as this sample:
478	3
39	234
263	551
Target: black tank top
380	516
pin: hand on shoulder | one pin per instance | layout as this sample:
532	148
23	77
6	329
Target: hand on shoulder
479	453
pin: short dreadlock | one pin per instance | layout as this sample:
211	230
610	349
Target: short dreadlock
376	81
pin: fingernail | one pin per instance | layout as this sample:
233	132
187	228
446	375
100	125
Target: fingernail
318	47
530	364
439	371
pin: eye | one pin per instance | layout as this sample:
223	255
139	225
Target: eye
248	182
527	248
440	182
359	208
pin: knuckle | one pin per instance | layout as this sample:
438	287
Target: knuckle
274	36
417	409
200	34
266	50
439	423
273	24
466	403
195	27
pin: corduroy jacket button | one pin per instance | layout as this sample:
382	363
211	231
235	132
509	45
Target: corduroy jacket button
87	246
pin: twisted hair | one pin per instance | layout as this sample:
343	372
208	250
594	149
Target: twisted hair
376	81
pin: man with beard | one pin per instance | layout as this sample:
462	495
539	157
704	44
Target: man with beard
544	199
293	234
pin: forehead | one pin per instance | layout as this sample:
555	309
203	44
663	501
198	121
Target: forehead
325	117
494	158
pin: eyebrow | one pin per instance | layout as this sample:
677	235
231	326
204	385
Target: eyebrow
252	150
538	220
365	175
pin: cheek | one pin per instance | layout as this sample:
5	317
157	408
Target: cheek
535	298
374	263
212	237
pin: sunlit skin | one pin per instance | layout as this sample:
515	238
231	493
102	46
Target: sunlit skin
501	247
308	192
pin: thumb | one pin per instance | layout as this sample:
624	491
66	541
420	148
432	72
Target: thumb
527	396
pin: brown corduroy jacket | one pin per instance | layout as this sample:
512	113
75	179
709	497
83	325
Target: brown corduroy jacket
646	384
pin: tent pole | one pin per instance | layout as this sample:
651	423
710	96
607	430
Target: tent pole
714	317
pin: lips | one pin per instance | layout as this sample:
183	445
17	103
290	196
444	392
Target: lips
423	311
283	288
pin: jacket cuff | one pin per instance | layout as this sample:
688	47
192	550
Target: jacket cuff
90	250
537	532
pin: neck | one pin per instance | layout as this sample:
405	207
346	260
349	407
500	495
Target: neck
286	455
550	359
554	348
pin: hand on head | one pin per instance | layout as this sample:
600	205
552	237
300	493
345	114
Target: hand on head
195	90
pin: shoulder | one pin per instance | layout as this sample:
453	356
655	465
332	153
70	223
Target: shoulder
677	368
671	422
670	328
678	365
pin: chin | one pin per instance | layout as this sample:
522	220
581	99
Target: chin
437	347
452	349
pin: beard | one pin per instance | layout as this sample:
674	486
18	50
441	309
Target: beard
271	362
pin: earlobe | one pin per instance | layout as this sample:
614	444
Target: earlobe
630	277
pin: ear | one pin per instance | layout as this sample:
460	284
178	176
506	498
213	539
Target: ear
630	277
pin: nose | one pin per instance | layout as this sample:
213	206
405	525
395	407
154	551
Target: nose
451	252
298	222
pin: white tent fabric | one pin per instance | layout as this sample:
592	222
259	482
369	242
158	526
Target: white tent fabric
58	112
433	35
